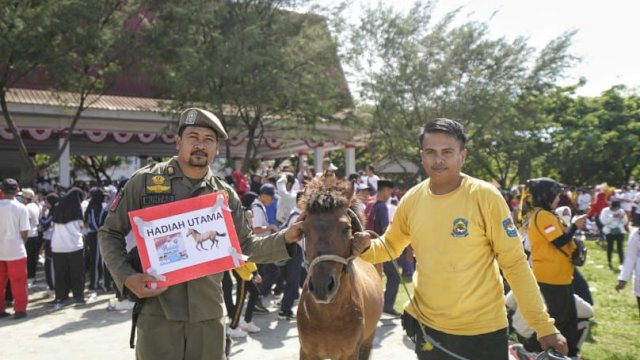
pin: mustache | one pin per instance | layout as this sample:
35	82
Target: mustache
199	152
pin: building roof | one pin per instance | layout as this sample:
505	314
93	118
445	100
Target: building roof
104	102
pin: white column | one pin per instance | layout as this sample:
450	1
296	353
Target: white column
143	160
350	159
302	160
237	162
64	163
318	155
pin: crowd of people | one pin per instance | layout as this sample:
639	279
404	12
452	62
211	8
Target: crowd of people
66	229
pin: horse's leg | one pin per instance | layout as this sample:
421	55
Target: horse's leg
364	351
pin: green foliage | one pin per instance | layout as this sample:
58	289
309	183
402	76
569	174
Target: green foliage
416	69
97	166
258	66
595	139
80	45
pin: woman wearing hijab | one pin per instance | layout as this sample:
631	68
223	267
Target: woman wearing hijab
67	248
94	218
550	244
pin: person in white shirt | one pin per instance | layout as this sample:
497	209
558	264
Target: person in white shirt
614	224
34	242
371	179
67	246
584	201
261	227
626	200
14	228
631	265
287	187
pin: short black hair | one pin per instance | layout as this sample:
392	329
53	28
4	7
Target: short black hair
446	126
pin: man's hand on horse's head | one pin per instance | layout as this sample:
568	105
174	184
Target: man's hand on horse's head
137	283
294	232
361	242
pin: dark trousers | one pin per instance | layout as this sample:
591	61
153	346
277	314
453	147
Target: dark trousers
600	228
242	287
562	307
391	289
99	277
69	274
293	271
48	265
33	245
270	274
581	287
618	238
490	346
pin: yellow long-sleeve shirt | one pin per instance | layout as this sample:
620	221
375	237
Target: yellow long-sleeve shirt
459	239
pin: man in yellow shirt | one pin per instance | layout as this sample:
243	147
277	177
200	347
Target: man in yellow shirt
462	235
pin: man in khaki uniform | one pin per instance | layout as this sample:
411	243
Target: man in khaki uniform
183	321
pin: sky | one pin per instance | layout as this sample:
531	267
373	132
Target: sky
606	41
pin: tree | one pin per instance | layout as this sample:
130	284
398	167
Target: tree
258	66
84	47
26	38
595	139
97	166
416	69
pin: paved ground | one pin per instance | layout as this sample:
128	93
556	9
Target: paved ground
91	332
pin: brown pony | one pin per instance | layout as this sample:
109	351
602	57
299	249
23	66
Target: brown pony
342	299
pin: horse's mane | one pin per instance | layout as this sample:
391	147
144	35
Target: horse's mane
325	194
195	231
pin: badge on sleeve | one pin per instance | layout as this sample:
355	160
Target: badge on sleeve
116	201
510	227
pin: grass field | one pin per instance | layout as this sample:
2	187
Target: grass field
615	332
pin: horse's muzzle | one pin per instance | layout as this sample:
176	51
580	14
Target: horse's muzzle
323	287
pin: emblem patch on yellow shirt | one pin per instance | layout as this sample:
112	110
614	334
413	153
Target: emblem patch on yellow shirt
460	227
158	184
549	229
510	227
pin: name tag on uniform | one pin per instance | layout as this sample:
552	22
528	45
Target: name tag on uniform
156	199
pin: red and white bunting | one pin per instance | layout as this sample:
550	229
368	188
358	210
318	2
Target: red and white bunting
273	143
146	138
168	138
5	134
96	136
313	144
236	140
122	137
40	134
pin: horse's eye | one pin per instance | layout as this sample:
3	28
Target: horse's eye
346	230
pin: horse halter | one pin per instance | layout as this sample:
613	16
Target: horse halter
335	258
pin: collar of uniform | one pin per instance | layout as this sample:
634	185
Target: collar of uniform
177	173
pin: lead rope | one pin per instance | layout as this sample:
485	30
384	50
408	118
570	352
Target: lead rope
429	341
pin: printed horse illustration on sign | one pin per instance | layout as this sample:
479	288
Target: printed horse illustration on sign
200	238
342	297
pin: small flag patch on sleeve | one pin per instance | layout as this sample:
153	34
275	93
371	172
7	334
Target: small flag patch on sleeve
549	229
